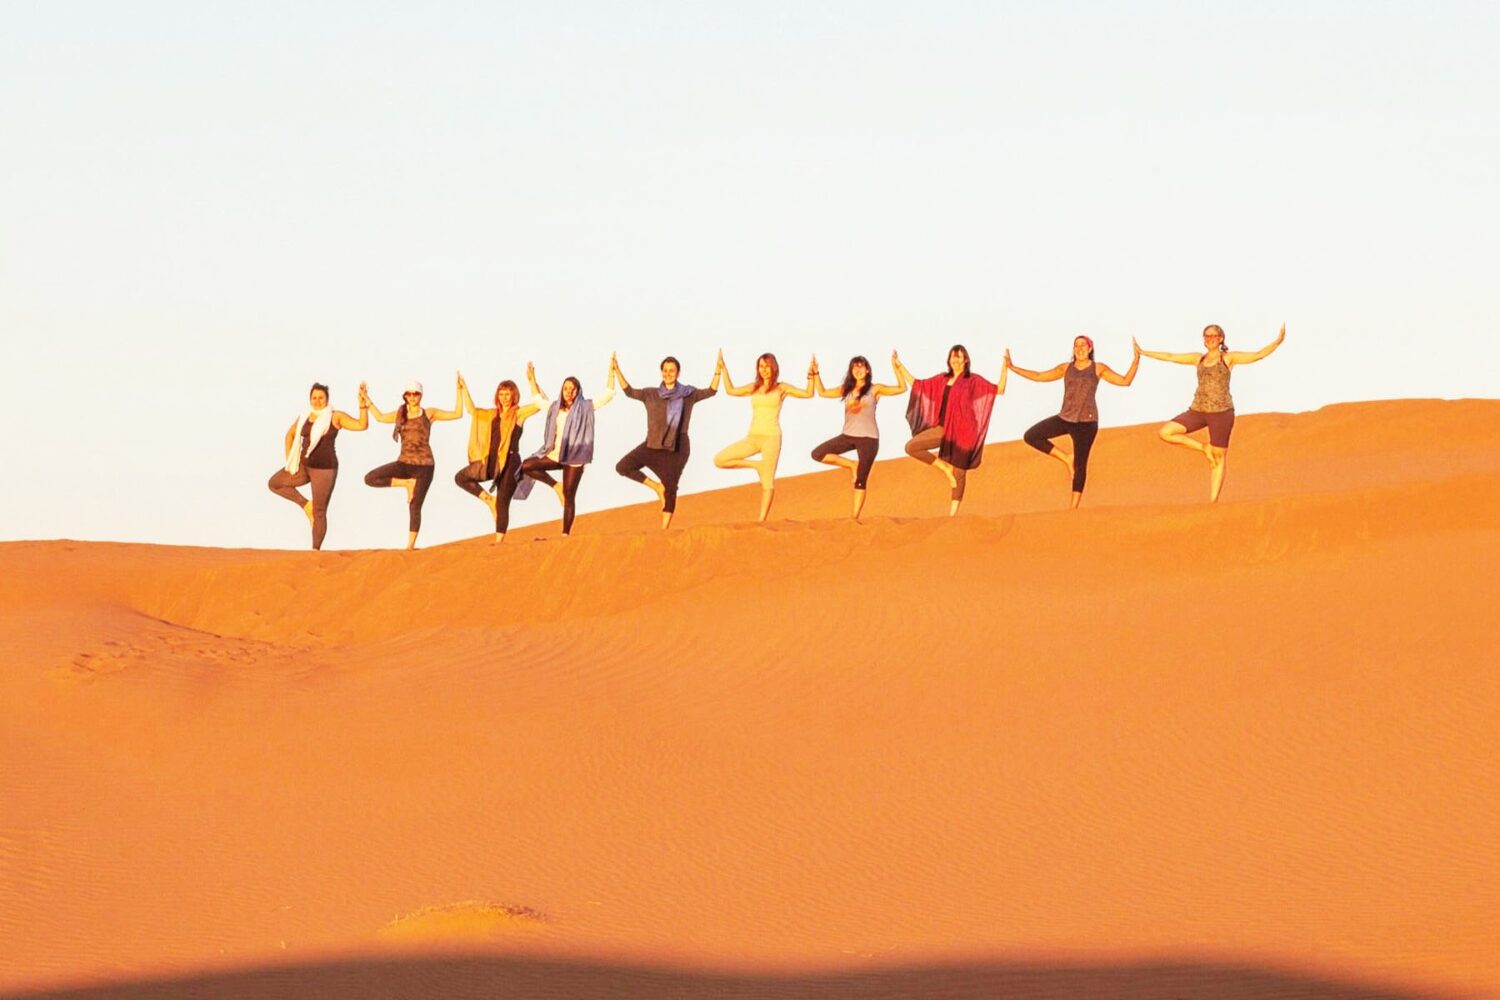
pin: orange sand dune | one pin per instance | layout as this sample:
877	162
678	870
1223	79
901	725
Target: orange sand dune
1149	748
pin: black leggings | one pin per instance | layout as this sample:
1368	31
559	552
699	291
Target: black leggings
866	447
401	470
505	488
1082	432
284	484
470	476
537	468
667	465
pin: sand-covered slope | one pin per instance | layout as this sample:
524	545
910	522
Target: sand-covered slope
1147	748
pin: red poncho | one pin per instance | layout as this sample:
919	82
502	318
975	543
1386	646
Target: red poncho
968	420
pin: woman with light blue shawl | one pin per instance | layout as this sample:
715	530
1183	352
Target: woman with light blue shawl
567	442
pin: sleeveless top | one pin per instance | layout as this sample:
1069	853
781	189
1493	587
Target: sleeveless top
859	415
416	448
765	413
1079	388
1213	388
323	456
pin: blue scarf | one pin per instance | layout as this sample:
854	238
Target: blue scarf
578	433
577	442
674	398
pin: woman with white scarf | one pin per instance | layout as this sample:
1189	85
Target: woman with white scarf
311	458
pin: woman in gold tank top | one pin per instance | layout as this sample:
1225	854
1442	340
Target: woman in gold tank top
764	439
1212	406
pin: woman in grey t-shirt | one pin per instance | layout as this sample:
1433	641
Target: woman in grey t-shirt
861	434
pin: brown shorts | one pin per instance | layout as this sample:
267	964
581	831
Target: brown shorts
1220	425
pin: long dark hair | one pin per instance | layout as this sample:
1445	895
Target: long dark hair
562	400
948	368
775	372
858	359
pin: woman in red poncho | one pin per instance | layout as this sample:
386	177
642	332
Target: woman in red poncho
949	415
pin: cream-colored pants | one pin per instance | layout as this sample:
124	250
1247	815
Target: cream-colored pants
737	456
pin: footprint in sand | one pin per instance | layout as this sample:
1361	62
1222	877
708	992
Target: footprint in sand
466	921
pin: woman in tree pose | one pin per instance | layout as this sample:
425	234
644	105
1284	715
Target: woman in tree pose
495	448
949	415
1079	416
311	458
669	408
861	433
412	469
567	441
1212	406
764	439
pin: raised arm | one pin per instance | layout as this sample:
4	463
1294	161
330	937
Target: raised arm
902	372
812	373
531	380
1179	359
1004	374
722	371
435	414
631	391
345	422
1050	375
1109	375
823	390
609	389
1246	357
903	379
381	415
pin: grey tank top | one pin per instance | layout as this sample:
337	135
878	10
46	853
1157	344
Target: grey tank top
1079	389
859	416
416	447
1213	388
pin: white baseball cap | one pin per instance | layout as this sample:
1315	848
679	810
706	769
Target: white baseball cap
413	386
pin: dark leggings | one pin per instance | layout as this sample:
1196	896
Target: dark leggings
284	484
1082	432
402	470
866	447
538	469
470	476
667	465
924	448
505	488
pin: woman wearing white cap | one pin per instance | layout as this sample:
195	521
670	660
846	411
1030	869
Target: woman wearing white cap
412	469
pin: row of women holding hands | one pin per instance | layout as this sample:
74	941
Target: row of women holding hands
948	414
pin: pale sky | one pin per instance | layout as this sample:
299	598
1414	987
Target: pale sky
206	207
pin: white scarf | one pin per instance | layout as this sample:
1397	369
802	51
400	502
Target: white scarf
322	420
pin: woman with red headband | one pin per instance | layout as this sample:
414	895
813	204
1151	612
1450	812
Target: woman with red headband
1212	406
949	415
1079	416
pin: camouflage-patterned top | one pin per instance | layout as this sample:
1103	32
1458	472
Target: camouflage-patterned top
1213	387
416	448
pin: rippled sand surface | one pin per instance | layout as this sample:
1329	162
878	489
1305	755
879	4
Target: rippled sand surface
1149	748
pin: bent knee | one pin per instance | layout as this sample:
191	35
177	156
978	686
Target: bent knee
1170	429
